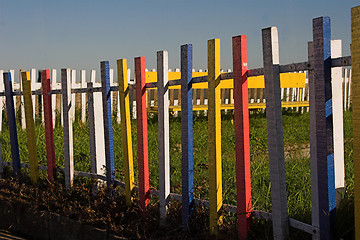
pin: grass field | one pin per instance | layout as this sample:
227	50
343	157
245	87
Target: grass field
296	141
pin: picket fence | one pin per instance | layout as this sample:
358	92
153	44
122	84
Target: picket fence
326	168
294	97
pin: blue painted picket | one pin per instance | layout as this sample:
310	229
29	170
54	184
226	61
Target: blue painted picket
10	109
186	133
108	129
322	130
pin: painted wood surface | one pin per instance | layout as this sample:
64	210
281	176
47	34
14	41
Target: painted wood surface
163	131
15	88
279	209
99	127
313	144
49	133
74	84
92	136
142	136
186	134
10	109
242	141
107	116
54	85
287	80
338	120
21	103
355	60
83	95
30	127
324	126
96	129
1	98
115	97
34	86
126	129
67	106
214	128
116	104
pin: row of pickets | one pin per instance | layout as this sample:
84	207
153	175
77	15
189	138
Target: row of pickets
256	95
325	110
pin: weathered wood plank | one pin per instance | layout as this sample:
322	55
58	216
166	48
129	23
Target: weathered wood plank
279	210
68	118
30	128
54	85
49	133
83	95
338	121
242	140
107	116
163	131
96	129
355	54
142	136
126	128
2	98
186	133
34	86
10	109
322	120
74	84
214	128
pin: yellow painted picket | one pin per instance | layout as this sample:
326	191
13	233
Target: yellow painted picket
30	127
126	128
214	128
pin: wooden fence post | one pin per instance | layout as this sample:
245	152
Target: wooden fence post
338	120
117	106
321	129
186	134
279	210
126	128
313	153
214	129
242	141
92	136
142	136
163	131
355	60
83	95
96	129
1	98
10	108
30	127
34	86
114	96
49	132
22	107
53	97
108	130
15	88
68	118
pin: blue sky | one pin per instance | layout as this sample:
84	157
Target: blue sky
80	33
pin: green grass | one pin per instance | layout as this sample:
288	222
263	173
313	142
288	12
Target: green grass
297	162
